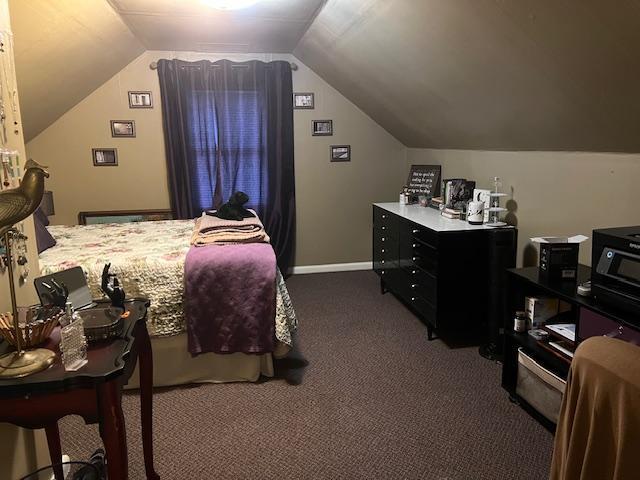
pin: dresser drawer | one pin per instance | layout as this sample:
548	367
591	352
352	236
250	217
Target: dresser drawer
385	268
383	241
425	257
424	309
383	218
424	235
422	284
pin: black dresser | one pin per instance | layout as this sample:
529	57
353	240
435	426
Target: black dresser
450	273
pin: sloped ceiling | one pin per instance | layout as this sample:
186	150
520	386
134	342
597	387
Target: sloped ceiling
64	50
272	26
469	74
487	74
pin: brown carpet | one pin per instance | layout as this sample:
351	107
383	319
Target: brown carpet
376	401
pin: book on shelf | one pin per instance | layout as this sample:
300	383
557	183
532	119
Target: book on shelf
564	347
564	331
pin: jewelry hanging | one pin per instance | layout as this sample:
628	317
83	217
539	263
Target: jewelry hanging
8	74
9	169
3	256
21	256
19	246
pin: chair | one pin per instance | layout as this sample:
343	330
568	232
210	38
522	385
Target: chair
598	432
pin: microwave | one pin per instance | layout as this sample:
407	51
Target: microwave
615	267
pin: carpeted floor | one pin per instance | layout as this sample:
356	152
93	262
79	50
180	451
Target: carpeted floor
376	400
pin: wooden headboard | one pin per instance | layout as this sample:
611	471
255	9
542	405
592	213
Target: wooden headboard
123	216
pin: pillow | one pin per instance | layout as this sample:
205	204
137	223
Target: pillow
44	240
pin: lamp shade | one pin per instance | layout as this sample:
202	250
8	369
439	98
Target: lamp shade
47	206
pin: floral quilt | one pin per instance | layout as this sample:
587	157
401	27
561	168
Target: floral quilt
148	258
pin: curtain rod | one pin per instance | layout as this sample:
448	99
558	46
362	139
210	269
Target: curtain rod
154	66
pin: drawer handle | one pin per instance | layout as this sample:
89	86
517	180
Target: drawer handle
383	239
414	258
382	272
415	230
413	299
382	251
415	245
384	228
414	285
413	272
384	216
382	261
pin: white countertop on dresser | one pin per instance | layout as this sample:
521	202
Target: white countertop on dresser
430	218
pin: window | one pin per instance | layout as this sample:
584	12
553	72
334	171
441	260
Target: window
226	136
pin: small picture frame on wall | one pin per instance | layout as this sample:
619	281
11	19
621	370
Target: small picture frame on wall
105	157
322	128
340	153
140	100
123	128
303	100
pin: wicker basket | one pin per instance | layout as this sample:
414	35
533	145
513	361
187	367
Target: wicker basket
35	325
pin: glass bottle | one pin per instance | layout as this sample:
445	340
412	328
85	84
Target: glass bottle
73	343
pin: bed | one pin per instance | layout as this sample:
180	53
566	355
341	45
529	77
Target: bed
149	258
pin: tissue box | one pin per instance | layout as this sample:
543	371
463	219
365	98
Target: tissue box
559	257
540	309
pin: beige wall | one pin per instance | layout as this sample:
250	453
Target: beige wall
556	193
333	199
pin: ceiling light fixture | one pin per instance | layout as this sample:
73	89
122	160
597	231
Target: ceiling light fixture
229	4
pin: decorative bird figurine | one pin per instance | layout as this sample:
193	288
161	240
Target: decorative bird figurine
17	204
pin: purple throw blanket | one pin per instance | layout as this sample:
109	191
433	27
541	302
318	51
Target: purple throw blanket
230	297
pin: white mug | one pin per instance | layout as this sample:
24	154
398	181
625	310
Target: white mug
475	213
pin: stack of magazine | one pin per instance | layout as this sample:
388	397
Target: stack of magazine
562	339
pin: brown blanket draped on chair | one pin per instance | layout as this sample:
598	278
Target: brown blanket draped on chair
598	433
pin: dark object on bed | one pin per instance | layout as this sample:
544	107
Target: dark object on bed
233	209
44	240
111	287
123	216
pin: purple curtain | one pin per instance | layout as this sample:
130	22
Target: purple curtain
229	126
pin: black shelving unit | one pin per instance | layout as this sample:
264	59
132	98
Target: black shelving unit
524	282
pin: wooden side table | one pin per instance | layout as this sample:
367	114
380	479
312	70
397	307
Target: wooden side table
94	392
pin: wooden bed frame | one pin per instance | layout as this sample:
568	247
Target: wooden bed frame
123	216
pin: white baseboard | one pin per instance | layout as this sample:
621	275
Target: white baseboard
332	267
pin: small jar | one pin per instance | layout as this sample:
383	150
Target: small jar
520	322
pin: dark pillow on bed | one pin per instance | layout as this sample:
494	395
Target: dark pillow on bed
44	239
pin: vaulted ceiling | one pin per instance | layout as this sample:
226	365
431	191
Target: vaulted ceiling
487	74
473	74
272	26
64	50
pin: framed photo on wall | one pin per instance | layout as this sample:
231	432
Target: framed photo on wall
322	128
105	157
140	100
123	128
304	100
340	153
